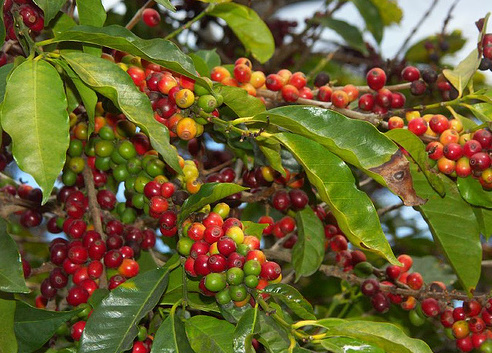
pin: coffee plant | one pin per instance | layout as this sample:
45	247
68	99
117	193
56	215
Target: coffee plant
240	194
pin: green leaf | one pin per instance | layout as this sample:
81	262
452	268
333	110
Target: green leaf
248	27
35	101
350	34
274	337
384	335
210	57
208	334
91	12
372	18
462	74
50	8
484	218
34	327
240	101
309	250
11	273
433	269
156	50
271	149
8	342
112	82
255	229
167	4
232	313
63	22
292	299
349	345
418	54
416	148
5	71
113	324
200	65
375	154
389	10
473	193
454	227
208	193
335	183
171	337
245	329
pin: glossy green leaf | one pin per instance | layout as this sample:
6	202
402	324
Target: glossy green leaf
245	329
389	10
386	336
433	269
208	193
356	142
473	193
209	334
468	123
240	101
91	12
210	57
416	148
271	150
274	337
454	227
171	337
156	50
50	8
292	299
349	345
350	34
34	327
248	27
484	218
252	228
480	110
333	179
232	313
309	250
8	342
5	71
11	274
417	52
200	65
372	18
35	101
62	23
167	4
462	74
112	82
113	324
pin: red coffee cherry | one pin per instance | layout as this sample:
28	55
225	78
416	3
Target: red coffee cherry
376	78
410	73
430	307
151	17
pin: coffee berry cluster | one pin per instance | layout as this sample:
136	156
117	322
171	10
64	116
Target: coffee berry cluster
227	260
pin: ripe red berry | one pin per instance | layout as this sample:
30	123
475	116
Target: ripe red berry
418	126
453	151
113	259
410	73
465	344
270	270
484	137
471	147
472	308
129	268
77	295
397	100
290	93
430	307
77	329
393	272
340	99
366	102
480	161
384	98
376	78
380	302
438	123
151	17
281	200
415	280
201	265
369	287
324	93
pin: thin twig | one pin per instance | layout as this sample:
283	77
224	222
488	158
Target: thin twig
424	292
94	210
217	168
384	210
448	17
138	14
416	27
